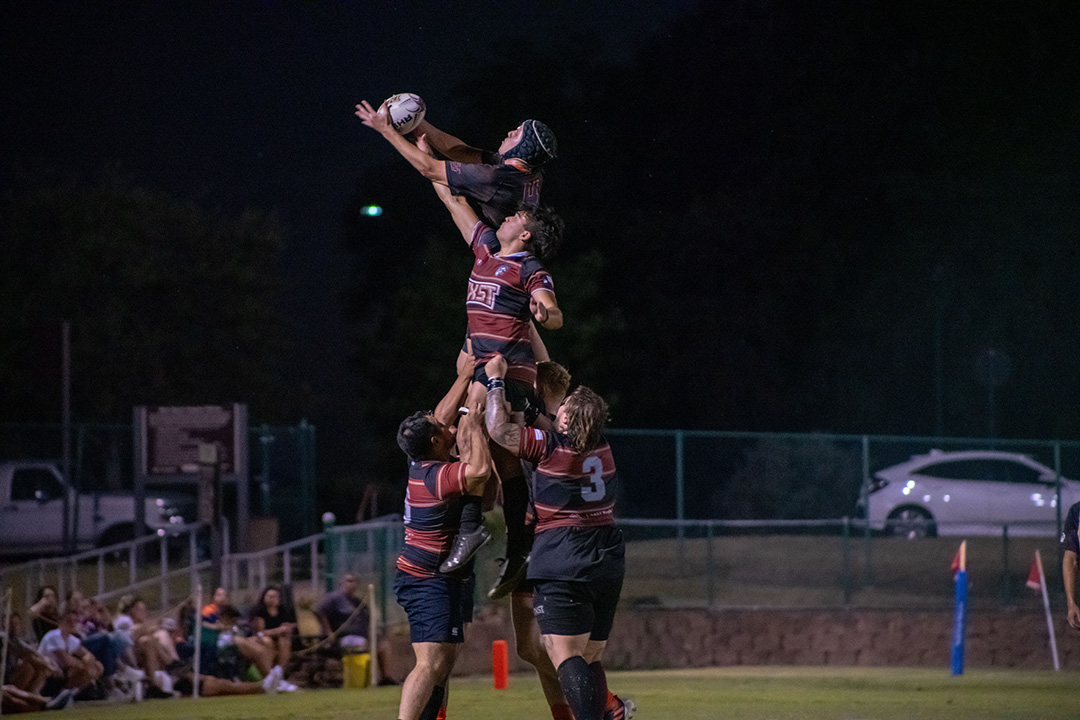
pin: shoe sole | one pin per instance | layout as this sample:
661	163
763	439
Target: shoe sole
444	568
505	587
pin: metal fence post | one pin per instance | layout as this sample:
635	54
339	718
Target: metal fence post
329	549
387	567
193	560
868	545
845	577
1057	483
709	579
307	475
680	510
1006	581
163	554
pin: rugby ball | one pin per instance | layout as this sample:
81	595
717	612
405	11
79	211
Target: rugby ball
406	111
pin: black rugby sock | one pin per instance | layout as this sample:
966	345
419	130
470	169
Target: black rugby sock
600	678
580	689
472	514
515	492
434	703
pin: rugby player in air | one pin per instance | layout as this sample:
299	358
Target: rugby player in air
504	184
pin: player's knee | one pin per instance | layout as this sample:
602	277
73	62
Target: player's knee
529	651
435	664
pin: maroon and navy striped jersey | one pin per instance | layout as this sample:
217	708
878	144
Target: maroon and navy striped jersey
432	515
574	498
498	304
569	489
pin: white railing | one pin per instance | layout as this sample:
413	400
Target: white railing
254	570
365	548
90	568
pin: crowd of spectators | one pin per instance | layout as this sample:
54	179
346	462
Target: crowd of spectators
80	650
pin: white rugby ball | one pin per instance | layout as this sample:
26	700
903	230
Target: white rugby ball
406	111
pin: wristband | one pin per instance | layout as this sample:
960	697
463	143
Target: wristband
495	384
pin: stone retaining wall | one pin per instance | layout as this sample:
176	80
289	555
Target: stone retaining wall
674	638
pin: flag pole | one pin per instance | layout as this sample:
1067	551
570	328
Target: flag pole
961	612
1046	608
8	639
373	634
198	640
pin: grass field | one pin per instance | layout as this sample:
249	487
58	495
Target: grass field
707	694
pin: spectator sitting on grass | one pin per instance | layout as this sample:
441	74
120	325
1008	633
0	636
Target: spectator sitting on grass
234	651
78	668
13	700
45	612
273	623
25	668
340	613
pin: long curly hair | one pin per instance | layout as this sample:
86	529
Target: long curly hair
586	414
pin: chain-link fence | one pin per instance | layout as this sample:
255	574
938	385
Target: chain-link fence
718	519
824	563
772	563
702	475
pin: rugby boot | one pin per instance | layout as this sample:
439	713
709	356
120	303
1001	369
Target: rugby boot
513	572
465	548
619	708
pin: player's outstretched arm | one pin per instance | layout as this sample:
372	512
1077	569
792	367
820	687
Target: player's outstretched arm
447	145
539	349
429	167
473	447
546	309
500	427
1069	572
447	409
464	216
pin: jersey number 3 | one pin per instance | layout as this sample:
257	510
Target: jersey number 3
595	470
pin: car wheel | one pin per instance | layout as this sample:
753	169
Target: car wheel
911	522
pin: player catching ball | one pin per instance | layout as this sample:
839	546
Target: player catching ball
578	557
502	182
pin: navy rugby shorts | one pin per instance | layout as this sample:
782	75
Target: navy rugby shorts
438	607
566	607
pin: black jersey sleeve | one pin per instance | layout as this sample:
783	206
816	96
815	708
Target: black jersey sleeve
476	181
1069	539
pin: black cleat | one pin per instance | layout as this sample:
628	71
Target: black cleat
465	548
513	572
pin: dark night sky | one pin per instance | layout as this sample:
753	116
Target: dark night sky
250	104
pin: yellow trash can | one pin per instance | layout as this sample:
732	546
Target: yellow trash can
355	670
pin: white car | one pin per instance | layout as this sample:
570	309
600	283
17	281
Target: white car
973	492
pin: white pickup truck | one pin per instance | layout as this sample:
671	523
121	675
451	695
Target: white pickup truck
32	511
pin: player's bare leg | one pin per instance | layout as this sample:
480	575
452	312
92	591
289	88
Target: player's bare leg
574	657
433	664
531	650
213	686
